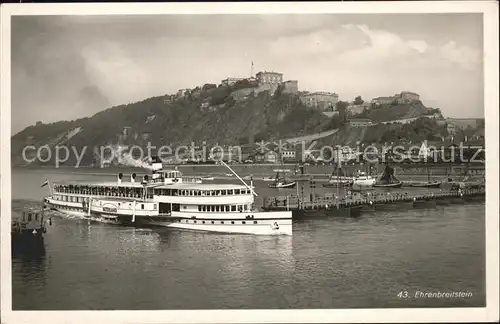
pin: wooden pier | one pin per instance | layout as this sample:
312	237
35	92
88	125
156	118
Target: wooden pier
352	205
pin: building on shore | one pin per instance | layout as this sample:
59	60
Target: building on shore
290	86
230	81
450	128
353	109
266	77
401	98
242	94
182	92
320	100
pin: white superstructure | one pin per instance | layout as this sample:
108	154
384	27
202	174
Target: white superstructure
167	199
364	180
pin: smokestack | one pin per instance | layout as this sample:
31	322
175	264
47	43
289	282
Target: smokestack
132	177
120	176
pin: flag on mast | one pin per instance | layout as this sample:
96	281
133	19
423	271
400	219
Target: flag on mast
45	183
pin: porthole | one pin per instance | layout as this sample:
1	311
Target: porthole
232	222
195	222
243	222
213	222
255	222
203	222
222	222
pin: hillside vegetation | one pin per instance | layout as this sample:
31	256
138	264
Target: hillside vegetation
165	121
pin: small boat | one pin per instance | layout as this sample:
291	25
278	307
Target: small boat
283	184
428	184
388	185
281	181
387	179
338	179
434	184
27	225
363	180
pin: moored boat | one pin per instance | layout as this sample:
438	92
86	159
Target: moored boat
363	180
338	179
285	184
428	184
433	184
166	200
282	181
28	225
387	179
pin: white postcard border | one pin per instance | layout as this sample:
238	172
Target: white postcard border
489	313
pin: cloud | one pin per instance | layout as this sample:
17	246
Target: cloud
88	63
110	68
464	56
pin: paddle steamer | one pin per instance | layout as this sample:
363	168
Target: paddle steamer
167	199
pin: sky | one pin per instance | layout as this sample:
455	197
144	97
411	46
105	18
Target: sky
68	67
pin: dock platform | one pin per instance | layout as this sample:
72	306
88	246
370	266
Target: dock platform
372	201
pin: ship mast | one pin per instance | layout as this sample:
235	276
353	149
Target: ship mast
237	176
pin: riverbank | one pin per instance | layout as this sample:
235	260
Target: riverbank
318	171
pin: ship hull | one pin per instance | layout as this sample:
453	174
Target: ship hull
389	185
258	223
426	185
364	183
283	227
283	186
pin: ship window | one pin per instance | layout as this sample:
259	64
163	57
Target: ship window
227	208
233	208
203	222
243	222
222	222
237	191
119	204
217	208
194	222
36	216
245	207
142	206
255	222
224	193
232	222
154	206
29	217
213	222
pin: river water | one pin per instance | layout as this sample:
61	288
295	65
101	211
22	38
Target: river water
336	262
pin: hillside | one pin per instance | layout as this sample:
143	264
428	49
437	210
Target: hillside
387	112
209	114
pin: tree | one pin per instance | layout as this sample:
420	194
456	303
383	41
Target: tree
342	109
208	86
358	100
38	123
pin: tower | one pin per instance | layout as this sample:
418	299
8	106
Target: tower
251	70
